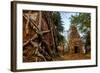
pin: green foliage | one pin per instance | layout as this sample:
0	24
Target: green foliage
83	23
56	17
57	21
88	39
60	37
82	20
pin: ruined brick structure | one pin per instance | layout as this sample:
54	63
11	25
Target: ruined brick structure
75	44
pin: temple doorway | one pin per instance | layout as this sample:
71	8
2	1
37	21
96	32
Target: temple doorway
76	49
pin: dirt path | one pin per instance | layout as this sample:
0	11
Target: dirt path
73	57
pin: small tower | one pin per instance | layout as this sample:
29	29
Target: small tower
75	44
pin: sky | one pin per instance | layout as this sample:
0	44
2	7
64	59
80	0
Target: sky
66	21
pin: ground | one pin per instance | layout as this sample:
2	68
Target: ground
77	56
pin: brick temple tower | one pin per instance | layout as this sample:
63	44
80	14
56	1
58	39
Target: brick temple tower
75	44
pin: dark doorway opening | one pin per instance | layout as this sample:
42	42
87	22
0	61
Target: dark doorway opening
76	49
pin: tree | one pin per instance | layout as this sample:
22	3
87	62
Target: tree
83	21
56	17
